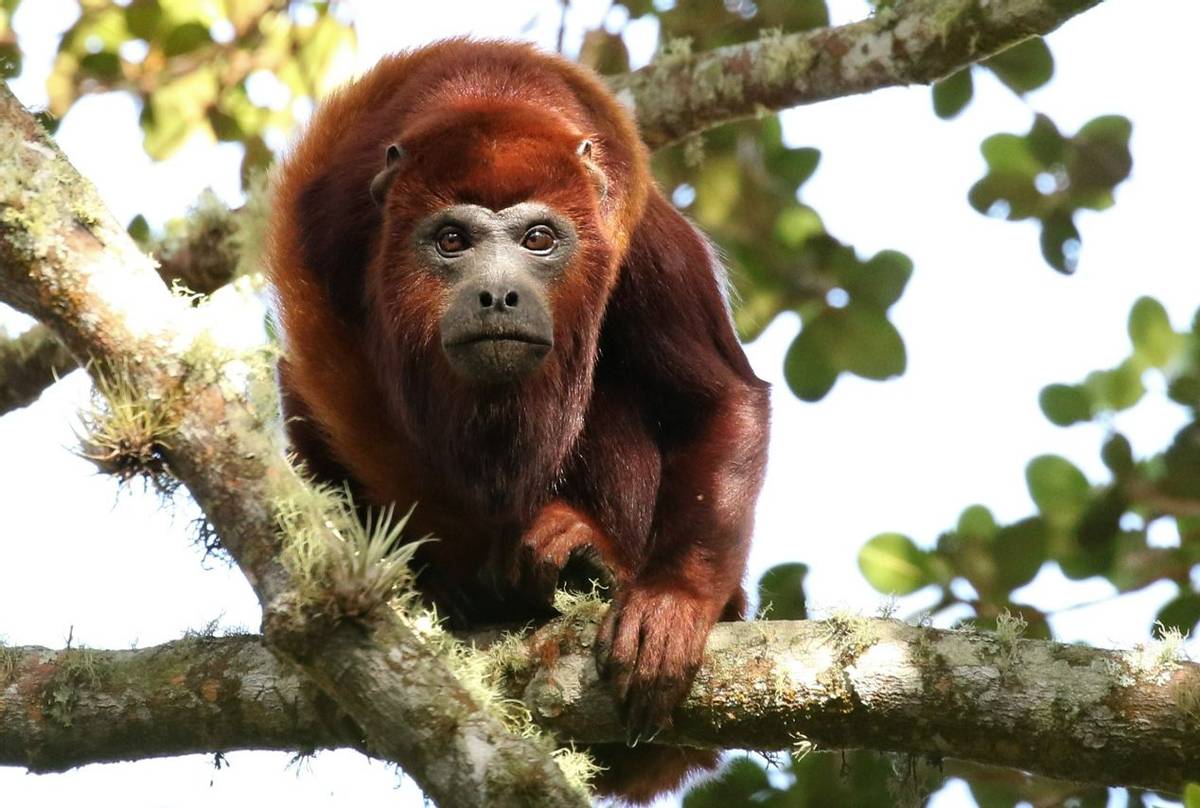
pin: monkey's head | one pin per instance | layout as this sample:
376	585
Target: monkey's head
493	237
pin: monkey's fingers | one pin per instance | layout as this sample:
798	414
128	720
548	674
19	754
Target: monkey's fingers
649	648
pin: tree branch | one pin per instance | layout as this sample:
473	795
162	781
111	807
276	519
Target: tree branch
916	42
67	262
203	257
1127	718
29	364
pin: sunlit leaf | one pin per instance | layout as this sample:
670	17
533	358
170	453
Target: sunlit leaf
893	564
1154	340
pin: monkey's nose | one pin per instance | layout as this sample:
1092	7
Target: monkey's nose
507	300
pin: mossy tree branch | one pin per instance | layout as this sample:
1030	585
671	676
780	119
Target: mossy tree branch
912	42
67	262
203	257
1106	717
29	363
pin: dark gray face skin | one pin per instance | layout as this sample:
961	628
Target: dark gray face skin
499	265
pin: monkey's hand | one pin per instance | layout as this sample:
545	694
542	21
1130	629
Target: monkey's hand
649	647
562	547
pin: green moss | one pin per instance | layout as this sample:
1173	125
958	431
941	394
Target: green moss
76	670
127	433
851	633
8	662
344	565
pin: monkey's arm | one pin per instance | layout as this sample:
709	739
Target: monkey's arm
673	332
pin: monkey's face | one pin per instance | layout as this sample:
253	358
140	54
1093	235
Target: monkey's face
498	268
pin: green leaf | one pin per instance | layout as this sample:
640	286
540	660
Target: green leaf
796	224
1101	519
1020	550
879	282
807	366
186	38
893	564
142	18
1154	340
103	65
1100	158
868	345
1023	67
1182	613
1010	153
1065	404
794	166
952	94
1046	143
782	587
978	521
1060	242
1185	390
1107	128
1117	389
1020	196
1117	454
139	230
1060	490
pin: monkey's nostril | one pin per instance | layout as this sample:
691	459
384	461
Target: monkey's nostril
485	300
510	299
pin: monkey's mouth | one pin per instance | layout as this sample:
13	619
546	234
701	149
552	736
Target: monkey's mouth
496	357
486	337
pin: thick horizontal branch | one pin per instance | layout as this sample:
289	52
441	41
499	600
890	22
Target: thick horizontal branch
66	261
914	42
1081	714
61	709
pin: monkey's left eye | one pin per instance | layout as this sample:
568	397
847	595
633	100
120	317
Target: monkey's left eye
451	241
539	239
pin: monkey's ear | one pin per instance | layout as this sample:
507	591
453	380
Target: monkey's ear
383	180
585	151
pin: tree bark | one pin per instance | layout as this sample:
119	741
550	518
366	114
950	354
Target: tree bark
29	363
1129	718
912	42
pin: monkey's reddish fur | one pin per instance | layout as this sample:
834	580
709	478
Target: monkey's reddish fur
644	432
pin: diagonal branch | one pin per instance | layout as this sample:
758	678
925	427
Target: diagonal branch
1095	716
30	363
203	258
914	42
67	262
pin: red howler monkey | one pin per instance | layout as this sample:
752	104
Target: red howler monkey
490	309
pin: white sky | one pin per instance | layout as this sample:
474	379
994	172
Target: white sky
986	322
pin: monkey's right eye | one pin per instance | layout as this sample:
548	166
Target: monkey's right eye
451	241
